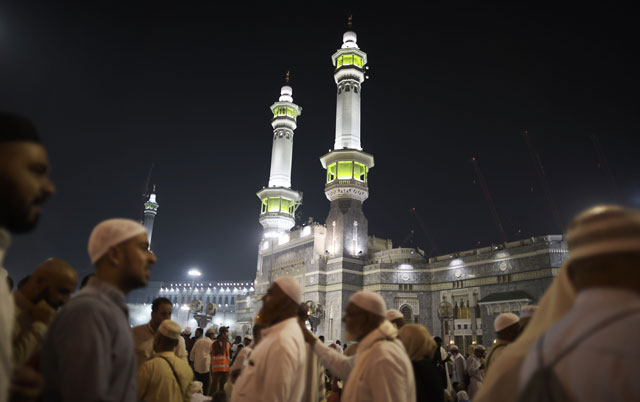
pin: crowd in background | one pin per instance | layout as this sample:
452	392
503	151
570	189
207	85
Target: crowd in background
57	344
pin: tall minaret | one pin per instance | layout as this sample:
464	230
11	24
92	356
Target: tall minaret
347	165
279	201
150	211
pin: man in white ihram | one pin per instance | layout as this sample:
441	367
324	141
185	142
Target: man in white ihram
274	368
381	369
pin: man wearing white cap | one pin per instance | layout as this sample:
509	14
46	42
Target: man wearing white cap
165	378
459	366
474	370
276	365
143	335
507	327
395	317
381	369
88	352
582	352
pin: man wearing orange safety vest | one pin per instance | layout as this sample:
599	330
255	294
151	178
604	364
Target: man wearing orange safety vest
220	360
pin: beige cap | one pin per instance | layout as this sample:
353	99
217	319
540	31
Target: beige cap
505	320
604	230
170	329
291	287
110	233
393	314
370	301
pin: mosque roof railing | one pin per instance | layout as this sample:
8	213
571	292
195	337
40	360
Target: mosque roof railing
506	296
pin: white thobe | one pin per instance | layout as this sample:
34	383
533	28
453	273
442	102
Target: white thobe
7	319
459	369
337	363
602	367
475	375
201	355
276	366
382	370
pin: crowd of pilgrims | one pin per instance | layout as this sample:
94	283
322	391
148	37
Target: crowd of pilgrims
59	344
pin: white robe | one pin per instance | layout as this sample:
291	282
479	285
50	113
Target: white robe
603	366
475	375
382	369
7	319
276	367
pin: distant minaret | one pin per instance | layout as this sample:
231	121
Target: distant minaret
279	201
150	211
347	165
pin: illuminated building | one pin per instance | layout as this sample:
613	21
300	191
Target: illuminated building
457	295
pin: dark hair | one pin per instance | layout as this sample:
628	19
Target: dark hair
321	338
16	128
200	329
158	301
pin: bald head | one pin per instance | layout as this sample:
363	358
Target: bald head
53	281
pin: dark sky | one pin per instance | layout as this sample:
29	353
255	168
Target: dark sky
114	88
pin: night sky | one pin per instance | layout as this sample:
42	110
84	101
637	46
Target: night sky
114	89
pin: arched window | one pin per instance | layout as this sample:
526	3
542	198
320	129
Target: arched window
233	300
406	312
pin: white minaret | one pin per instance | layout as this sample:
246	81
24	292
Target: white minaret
150	211
279	201
347	165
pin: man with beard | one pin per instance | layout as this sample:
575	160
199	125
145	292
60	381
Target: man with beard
143	335
46	290
88	352
276	365
381	369
24	187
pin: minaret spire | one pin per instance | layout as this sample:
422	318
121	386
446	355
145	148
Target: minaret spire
350	23
279	201
150	211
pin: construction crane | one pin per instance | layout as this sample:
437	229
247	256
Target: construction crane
487	196
537	162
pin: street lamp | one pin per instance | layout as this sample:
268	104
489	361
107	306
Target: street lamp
445	313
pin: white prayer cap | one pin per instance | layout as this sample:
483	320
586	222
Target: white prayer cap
170	329
290	287
210	331
505	320
479	347
370	301
187	331
249	337
603	230
196	387
528	310
453	347
110	233
393	314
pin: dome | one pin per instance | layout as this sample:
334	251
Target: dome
286	90
349	40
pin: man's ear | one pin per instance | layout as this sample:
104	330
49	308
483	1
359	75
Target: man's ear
114	255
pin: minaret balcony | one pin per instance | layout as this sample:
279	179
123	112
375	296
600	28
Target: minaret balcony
347	188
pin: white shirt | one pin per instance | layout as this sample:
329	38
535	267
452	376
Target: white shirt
7	318
276	366
459	368
603	366
201	355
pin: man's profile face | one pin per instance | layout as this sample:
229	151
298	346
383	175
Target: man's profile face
272	302
355	319
137	261
59	291
24	184
162	313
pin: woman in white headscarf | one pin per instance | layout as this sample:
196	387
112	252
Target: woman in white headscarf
420	347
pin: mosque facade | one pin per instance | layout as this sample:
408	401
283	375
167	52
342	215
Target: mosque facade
456	296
